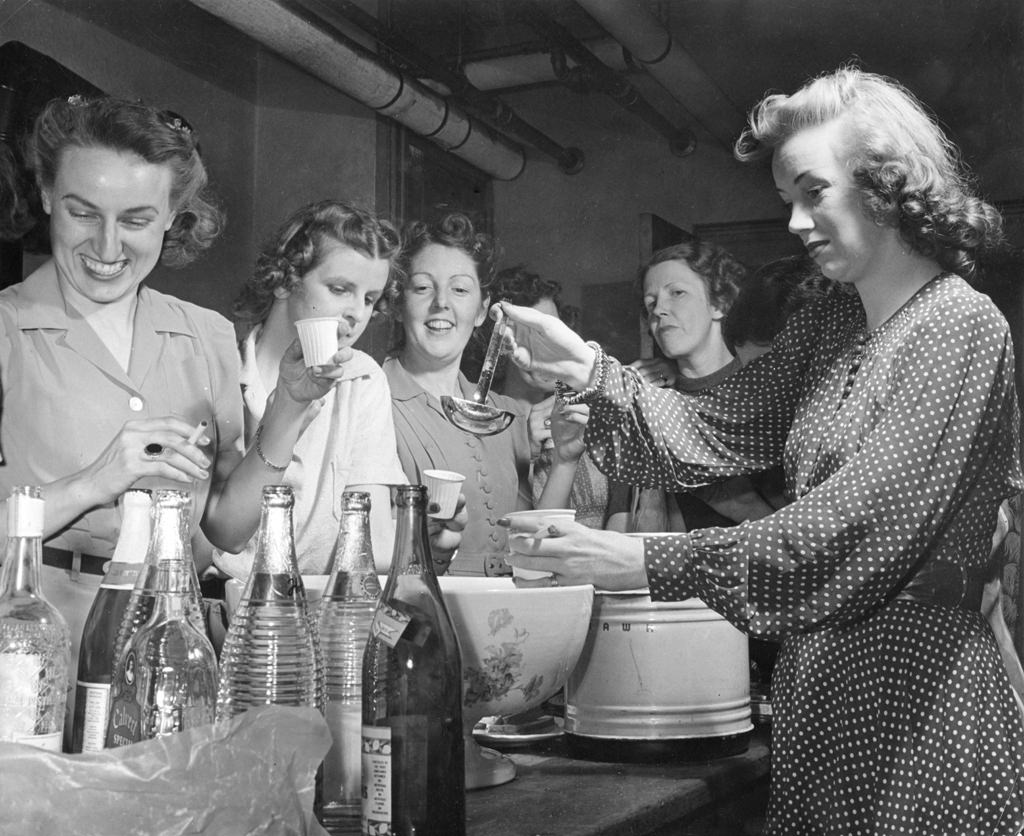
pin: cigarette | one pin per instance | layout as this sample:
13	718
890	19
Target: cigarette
197	432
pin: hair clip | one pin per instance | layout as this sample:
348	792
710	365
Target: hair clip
175	122
77	100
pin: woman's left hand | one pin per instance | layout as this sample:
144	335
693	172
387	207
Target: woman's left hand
305	384
446	535
568	428
576	554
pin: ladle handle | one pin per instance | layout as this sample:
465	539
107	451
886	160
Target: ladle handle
494	350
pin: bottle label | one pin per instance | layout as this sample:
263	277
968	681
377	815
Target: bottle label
388	624
120	575
20	675
95	696
125	715
376	750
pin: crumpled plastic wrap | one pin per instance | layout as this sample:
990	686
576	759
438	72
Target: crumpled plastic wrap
249	776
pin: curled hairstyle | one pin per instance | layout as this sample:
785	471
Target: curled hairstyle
454	230
300	245
158	137
909	174
721	273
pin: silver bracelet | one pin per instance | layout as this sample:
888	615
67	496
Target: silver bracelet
569	396
259	452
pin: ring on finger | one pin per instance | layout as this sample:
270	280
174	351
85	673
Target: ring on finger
153	450
547	422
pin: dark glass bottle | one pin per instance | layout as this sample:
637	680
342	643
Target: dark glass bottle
271	655
99	636
35	645
343	623
413	769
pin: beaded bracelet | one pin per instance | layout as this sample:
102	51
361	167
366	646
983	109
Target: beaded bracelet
259	452
569	396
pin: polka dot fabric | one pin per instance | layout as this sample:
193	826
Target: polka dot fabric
889	716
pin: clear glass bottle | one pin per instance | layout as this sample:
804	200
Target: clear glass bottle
170	531
99	636
413	770
343	624
271	655
166	678
35	644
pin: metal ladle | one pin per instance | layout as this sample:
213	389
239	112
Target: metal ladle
476	415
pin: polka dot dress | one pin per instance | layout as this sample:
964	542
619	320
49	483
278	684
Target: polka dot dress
889	716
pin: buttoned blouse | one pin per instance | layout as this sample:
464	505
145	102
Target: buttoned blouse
65	397
496	467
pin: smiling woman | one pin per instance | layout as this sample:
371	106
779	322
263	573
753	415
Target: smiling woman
96	368
449	268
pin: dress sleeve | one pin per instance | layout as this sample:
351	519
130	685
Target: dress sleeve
925	481
651	437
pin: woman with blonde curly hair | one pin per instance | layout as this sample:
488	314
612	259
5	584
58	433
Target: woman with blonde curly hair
894	414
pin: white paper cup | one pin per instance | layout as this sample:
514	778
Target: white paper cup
319	338
528	522
443	487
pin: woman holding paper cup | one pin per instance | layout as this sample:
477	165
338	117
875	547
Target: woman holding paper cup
437	306
318	411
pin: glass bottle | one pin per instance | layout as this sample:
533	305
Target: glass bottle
35	644
170	532
413	770
343	624
166	678
271	655
99	636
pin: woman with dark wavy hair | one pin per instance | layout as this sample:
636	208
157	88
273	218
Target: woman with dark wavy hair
437	305
894	413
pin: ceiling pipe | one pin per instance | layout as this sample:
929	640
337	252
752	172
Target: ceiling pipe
299	36
528	68
570	160
680	141
633	25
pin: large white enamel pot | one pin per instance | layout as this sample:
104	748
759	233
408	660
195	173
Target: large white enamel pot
658	681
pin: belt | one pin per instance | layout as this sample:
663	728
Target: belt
64	559
947	585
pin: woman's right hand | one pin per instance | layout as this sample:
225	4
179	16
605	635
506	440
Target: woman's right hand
543	343
305	384
149	447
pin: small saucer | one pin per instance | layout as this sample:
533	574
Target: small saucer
490	731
